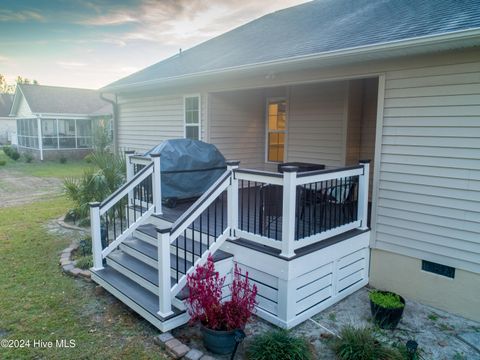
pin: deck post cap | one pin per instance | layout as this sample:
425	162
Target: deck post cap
289	169
164	230
367	161
94	204
233	162
129	152
154	155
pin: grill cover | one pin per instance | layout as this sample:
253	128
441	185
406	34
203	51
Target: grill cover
188	167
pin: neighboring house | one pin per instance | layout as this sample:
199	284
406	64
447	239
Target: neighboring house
7	123
54	122
330	82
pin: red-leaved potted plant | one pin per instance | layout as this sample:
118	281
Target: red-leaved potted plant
220	320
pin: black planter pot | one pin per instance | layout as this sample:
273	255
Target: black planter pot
387	318
219	342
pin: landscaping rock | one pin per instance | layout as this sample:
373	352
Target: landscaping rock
163	338
85	274
75	271
194	354
68	267
176	349
207	357
472	339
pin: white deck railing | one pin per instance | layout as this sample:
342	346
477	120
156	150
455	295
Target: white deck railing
293	210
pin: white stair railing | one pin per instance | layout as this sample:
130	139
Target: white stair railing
119	215
200	231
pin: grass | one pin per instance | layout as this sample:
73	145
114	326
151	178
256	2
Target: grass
72	168
39	302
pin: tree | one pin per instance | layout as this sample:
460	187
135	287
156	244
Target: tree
10	88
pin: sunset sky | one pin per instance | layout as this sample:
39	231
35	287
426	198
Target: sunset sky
92	43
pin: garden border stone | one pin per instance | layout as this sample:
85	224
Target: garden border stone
68	265
178	350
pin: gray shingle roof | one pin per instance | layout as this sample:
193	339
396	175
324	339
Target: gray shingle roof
61	100
314	28
6	101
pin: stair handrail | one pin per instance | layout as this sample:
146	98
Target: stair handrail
123	190
98	209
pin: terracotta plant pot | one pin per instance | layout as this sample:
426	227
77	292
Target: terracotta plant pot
219	342
387	318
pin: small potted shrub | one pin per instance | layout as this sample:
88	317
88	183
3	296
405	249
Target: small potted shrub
387	308
220	320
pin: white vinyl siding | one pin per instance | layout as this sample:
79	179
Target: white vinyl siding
428	199
147	121
237	126
317	115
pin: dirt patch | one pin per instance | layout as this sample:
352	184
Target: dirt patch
19	189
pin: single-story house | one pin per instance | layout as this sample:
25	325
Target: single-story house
7	123
329	82
54	122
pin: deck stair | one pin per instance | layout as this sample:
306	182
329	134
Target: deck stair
130	274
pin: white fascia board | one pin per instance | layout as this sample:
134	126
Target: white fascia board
63	116
440	41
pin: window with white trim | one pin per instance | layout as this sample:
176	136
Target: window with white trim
192	117
276	130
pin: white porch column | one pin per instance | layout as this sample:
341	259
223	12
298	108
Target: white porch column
130	172
288	214
363	185
164	283
232	198
39	133
156	184
95	226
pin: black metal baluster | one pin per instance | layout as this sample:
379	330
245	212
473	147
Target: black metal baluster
241	189
193	239
315	209
107	240
215	219
248	207
222	199
208	227
201	234
255	209
134	206
330	202
176	253
185	252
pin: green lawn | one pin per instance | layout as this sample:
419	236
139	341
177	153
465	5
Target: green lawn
72	168
39	302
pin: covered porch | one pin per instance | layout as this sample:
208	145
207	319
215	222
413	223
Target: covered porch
329	123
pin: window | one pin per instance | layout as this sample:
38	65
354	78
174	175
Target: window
49	134
66	133
84	133
276	130
192	117
27	133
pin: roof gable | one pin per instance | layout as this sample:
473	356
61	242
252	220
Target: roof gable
314	28
58	100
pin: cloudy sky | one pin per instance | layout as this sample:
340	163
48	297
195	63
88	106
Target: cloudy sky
94	42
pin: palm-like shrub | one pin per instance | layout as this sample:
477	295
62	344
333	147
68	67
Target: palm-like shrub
103	177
